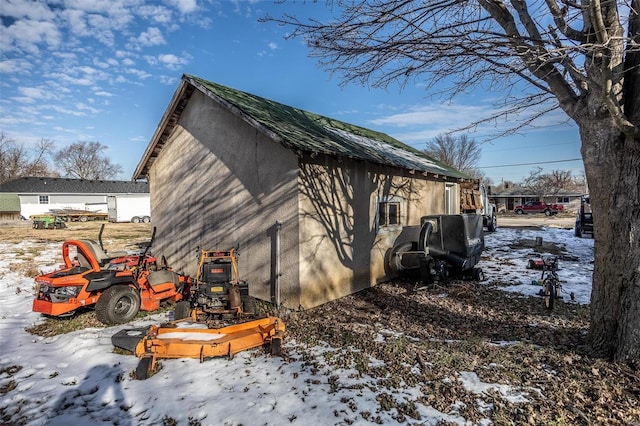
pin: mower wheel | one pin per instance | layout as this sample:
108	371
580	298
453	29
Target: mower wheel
276	346
182	310
117	305
549	294
478	274
143	370
248	305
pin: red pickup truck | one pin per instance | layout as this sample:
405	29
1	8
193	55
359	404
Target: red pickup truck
539	207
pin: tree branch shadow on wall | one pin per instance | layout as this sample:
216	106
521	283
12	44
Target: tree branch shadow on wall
340	194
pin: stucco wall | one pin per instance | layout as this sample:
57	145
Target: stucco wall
219	183
342	248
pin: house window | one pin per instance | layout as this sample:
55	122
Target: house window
563	200
43	199
389	213
450	198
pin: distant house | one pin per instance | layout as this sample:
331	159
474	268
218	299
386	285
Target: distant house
9	207
508	198
314	204
39	195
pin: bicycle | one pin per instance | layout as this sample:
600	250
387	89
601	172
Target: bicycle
551	283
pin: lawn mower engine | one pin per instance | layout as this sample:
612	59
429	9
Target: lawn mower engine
218	289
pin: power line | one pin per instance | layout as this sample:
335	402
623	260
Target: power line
518	148
531	164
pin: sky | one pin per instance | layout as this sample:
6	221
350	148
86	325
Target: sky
91	70
77	379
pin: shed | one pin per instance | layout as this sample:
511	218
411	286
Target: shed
9	207
314	204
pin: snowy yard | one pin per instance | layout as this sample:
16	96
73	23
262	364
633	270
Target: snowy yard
76	378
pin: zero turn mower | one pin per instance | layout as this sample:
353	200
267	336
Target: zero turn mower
216	320
117	284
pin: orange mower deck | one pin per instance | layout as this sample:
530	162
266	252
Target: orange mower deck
185	339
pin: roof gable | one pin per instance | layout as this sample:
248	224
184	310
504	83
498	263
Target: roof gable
49	185
299	130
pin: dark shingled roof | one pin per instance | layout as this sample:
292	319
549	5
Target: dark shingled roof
298	130
50	185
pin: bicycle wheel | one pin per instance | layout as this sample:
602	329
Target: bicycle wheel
549	294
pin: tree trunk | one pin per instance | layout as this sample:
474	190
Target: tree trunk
612	165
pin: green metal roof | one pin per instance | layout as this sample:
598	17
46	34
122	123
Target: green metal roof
9	203
298	130
309	132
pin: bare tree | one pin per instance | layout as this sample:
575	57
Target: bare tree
459	152
582	57
85	160
548	185
18	160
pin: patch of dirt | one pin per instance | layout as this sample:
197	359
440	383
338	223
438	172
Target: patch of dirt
428	337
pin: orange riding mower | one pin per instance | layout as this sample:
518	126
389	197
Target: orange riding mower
217	319
118	285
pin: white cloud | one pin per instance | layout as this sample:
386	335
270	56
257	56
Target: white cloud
185	6
11	66
27	35
169	60
142	75
273	46
21	9
32	92
151	37
159	14
80	106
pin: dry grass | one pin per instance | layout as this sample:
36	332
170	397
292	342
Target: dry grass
116	236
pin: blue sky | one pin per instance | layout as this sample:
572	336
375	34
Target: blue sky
97	70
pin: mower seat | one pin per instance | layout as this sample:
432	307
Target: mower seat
159	278
99	254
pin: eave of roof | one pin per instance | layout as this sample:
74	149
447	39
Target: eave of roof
298	130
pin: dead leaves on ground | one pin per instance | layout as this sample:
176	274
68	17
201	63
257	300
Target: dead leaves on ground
426	338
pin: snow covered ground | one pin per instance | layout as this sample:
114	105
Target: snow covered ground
76	379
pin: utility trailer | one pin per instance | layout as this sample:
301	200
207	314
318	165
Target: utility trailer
129	208
75	215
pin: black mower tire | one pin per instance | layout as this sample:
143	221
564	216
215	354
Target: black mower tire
493	224
478	274
276	346
549	295
117	305
248	305
143	370
182	310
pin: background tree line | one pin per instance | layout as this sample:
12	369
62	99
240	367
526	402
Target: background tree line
80	160
463	153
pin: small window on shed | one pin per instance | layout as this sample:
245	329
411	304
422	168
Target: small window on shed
389	214
43	199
